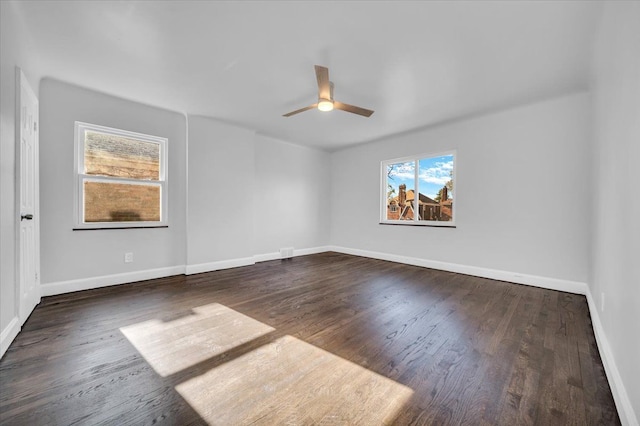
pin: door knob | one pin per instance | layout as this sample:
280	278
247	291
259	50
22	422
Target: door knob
26	216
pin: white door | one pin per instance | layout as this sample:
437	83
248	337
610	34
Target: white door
27	193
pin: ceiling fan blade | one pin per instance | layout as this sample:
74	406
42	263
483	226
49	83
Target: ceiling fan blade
289	114
354	109
324	87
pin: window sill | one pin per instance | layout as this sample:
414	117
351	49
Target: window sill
120	227
429	224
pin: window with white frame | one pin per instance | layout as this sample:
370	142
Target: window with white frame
431	177
121	178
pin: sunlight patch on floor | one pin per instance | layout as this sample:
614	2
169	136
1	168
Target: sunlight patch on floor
170	347
289	381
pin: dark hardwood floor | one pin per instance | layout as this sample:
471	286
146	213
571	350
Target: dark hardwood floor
321	339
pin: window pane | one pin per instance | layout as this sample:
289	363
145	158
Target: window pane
435	182
113	155
400	190
121	202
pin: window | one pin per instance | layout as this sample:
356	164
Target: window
429	176
121	178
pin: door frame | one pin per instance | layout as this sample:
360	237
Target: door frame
23	83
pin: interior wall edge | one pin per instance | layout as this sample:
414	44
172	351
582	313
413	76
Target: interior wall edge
246	261
307	251
620	395
8	334
61	287
296	252
476	271
217	265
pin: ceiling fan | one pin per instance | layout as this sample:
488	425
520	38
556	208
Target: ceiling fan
325	97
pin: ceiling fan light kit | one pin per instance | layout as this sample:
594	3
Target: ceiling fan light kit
325	97
325	105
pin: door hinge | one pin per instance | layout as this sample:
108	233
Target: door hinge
35	126
36	276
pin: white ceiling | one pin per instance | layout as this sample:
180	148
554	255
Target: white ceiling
414	63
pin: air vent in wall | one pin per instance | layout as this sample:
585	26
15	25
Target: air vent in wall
286	253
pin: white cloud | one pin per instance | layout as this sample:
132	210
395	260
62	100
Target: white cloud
439	174
402	170
402	175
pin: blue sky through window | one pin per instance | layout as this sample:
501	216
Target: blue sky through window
433	173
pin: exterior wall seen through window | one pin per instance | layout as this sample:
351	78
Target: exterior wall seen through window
120	178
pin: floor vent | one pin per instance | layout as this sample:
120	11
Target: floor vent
286	253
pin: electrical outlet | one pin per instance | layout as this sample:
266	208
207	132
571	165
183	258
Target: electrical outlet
602	302
128	257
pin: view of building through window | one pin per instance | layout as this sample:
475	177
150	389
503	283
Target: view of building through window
120	177
434	179
121	202
118	156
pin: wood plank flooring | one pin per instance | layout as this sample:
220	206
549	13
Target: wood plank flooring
321	339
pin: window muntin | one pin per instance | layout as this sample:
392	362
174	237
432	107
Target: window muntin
120	178
431	176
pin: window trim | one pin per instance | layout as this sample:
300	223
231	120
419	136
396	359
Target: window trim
80	128
415	221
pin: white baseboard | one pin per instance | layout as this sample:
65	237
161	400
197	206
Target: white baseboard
221	264
266	257
313	250
620	396
495	274
296	252
60	287
245	261
8	334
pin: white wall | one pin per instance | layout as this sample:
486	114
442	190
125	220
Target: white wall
250	195
220	192
218	201
521	197
15	51
615	260
74	255
291	203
